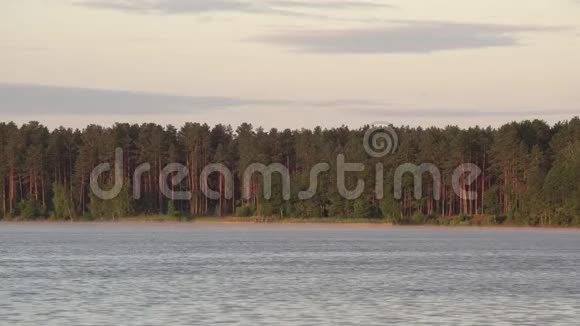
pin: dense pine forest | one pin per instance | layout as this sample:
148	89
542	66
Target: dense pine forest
530	172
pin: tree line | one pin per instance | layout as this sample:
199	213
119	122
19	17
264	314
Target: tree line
530	172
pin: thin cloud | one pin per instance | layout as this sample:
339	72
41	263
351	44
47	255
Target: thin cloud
168	6
330	4
25	102
407	37
26	99
39	99
173	7
462	113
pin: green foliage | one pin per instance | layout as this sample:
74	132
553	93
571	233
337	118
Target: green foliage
515	217
491	202
28	209
307	209
562	186
362	209
489	220
460	220
120	206
337	208
97	208
266	209
245	211
62	203
418	219
391	209
531	172
172	211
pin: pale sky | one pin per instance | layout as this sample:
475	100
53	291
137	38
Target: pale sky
289	63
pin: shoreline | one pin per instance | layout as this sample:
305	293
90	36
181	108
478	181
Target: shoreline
345	224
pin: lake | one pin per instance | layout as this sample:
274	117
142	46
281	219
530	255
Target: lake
190	274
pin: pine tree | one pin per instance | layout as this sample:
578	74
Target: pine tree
530	171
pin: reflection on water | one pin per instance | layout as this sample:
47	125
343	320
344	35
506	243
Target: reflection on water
91	274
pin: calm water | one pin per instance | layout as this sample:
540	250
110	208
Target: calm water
268	275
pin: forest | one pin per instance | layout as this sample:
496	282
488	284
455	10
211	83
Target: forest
530	172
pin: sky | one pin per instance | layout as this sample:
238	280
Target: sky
289	63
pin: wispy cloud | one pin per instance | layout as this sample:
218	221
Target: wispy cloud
39	99
463	113
173	7
73	106
329	4
168	6
23	98
405	37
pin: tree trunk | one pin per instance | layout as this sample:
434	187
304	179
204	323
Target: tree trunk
483	187
221	193
12	190
234	196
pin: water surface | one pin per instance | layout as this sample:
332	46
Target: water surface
132	274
